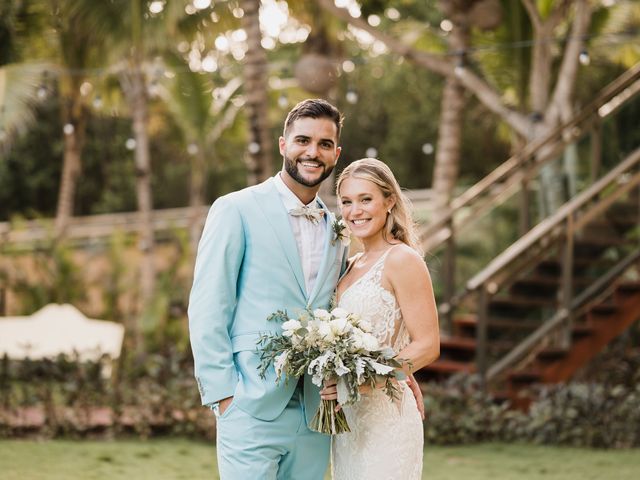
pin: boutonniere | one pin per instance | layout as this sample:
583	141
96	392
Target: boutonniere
341	232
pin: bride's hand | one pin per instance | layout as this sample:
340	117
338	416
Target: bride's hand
330	392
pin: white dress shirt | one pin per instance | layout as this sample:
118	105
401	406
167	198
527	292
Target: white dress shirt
310	236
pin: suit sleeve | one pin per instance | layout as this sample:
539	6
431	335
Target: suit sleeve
213	299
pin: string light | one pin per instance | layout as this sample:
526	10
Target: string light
351	97
613	38
283	101
68	129
427	148
201	4
192	149
584	57
348	66
460	64
253	148
97	102
371	152
130	144
42	89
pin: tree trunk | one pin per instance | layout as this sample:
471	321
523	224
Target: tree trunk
447	162
143	184
258	157
75	115
133	84
556	184
540	74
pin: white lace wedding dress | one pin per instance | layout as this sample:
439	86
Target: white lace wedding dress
386	438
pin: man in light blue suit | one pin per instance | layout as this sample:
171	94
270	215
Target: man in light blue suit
266	248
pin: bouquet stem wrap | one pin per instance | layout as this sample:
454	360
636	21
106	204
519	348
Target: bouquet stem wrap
327	420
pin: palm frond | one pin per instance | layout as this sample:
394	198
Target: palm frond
18	95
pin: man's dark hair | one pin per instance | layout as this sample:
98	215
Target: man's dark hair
314	108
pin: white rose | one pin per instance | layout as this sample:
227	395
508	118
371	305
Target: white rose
322	314
339	313
326	332
357	342
340	326
370	342
291	325
364	325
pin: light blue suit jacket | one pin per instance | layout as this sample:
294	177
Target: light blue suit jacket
248	267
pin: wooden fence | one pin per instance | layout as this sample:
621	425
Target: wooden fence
92	229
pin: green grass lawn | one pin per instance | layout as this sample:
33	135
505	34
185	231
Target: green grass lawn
181	459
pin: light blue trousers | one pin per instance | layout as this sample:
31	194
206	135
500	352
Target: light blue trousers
284	448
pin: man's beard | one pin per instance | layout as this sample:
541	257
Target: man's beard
291	167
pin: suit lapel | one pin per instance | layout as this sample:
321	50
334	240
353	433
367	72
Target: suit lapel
328	256
268	199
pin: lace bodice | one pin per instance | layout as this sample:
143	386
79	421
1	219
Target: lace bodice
369	299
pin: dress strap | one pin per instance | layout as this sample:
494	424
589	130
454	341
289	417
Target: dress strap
377	267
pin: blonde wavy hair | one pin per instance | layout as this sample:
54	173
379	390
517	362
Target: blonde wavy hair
399	224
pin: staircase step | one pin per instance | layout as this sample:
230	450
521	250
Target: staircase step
628	288
599	240
603	309
450	366
519	302
538	285
580	263
471	320
623	222
551	354
525	376
458	343
582	330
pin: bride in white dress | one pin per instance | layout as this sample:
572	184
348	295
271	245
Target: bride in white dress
389	285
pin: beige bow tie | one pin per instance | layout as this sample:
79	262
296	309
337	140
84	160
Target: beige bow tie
314	214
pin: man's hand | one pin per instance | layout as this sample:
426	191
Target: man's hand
224	404
417	393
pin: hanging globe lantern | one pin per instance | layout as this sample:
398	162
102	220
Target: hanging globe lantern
316	73
486	14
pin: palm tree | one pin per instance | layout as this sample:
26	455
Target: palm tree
18	94
71	37
137	40
202	121
78	36
255	72
134	85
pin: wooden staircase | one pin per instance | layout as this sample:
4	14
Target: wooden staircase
554	299
516	313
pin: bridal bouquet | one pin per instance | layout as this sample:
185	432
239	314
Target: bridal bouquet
329	345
